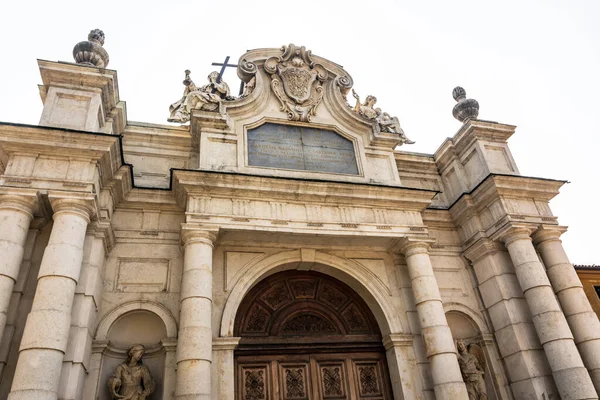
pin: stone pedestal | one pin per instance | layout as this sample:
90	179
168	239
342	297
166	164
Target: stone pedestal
16	214
570	375
194	344
441	351
46	334
582	320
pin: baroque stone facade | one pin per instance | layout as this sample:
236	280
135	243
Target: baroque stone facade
279	246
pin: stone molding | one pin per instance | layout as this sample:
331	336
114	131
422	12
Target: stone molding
111	316
397	340
410	246
482	248
228	343
513	232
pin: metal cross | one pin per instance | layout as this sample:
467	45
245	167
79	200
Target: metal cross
223	66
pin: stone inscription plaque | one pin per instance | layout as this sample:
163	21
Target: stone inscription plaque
300	148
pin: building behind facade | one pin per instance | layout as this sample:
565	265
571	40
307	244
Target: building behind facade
279	244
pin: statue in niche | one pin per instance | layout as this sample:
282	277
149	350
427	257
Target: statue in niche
386	122
207	97
132	379
472	366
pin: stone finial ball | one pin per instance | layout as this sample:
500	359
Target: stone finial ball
459	93
96	35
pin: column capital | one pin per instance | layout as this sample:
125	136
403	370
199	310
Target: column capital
409	246
18	202
83	207
511	232
482	248
191	233
546	233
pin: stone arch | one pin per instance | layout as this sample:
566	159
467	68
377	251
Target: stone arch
113	315
353	274
468	314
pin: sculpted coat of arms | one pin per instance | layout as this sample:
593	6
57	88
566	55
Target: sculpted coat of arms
297	81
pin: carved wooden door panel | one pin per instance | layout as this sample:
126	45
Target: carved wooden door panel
354	376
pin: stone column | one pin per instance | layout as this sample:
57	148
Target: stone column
223	375
439	344
582	320
570	375
16	213
83	319
194	344
46	332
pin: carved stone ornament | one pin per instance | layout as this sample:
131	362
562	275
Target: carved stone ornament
91	52
207	98
132	379
297	81
472	366
465	109
385	121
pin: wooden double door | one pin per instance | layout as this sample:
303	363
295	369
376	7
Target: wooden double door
339	376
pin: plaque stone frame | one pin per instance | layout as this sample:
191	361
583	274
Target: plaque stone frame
345	164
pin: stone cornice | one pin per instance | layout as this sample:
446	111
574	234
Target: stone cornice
546	233
225	343
233	185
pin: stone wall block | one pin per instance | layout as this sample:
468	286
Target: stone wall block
62	260
198	282
189	348
193	311
563	277
41	365
500	288
541	300
53	323
573	303
192	385
508	312
530	277
551	326
587	324
438	339
571	385
517	337
526	364
429	314
424	286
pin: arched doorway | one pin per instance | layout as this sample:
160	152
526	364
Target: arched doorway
305	335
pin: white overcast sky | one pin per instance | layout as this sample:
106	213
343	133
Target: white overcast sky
534	64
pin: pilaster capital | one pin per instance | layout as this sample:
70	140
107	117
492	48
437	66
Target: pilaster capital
548	233
83	207
409	246
512	232
481	248
191	233
18	202
225	343
397	339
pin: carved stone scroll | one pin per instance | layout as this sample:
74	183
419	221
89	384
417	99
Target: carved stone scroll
297	81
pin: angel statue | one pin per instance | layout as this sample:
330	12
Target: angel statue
132	380
472	366
386	122
206	97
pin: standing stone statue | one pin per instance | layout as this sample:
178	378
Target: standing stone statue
132	380
472	366
206	97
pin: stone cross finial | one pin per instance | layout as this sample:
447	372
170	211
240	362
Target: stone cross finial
91	52
466	108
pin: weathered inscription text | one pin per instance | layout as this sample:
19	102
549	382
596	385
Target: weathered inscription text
300	148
